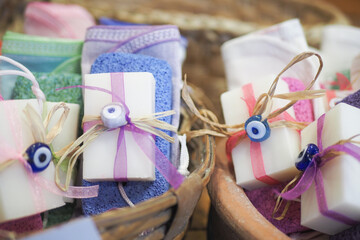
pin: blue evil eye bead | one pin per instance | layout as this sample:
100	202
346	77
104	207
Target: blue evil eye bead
39	156
305	156
113	115
256	129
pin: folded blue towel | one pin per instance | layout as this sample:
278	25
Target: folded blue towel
109	196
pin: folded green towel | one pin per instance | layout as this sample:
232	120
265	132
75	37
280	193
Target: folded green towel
49	82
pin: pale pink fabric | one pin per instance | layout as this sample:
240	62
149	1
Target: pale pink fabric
57	20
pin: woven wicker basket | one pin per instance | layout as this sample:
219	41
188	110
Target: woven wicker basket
206	24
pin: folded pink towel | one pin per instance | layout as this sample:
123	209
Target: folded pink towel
57	20
264	199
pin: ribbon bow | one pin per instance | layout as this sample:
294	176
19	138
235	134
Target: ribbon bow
10	155
312	174
139	127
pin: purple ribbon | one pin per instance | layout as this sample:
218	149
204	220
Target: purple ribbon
141	137
313	174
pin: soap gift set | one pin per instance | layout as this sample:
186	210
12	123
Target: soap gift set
33	133
129	122
119	116
323	210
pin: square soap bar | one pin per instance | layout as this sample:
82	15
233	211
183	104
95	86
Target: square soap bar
278	152
341	176
18	196
99	156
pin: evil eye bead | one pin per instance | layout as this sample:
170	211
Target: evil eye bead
256	129
113	115
39	156
305	156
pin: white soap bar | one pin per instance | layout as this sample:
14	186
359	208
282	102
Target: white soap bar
279	151
99	155
341	175
18	197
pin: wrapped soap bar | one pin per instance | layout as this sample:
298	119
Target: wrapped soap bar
20	196
272	161
101	162
331	204
28	145
109	195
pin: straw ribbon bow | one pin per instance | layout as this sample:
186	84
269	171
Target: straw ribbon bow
38	128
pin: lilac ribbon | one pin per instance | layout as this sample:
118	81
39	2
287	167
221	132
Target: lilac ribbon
141	137
313	174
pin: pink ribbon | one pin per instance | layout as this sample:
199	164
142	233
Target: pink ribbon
257	161
144	139
313	174
9	153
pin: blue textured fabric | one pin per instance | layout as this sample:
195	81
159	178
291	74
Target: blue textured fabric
109	196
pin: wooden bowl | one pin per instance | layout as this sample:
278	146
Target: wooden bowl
232	215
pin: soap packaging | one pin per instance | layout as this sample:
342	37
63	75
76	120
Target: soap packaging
336	193
20	194
270	162
100	158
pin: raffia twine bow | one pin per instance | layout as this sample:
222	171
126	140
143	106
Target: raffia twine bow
262	107
147	123
38	128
